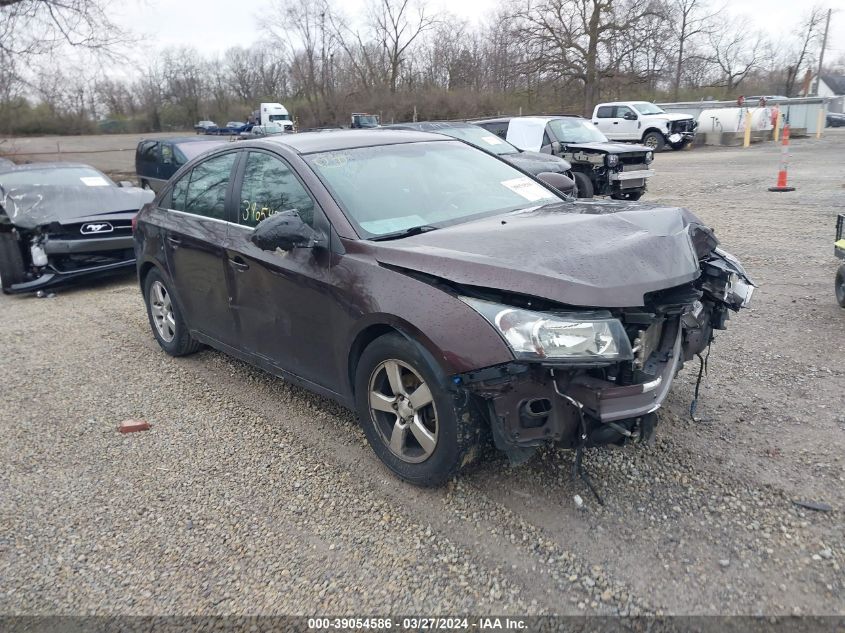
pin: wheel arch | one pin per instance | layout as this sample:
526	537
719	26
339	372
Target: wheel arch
651	129
380	326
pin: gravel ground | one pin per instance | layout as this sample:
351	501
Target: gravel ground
249	495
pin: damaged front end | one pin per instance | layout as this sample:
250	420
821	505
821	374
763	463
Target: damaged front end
625	359
49	235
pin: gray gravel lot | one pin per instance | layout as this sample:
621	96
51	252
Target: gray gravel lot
253	496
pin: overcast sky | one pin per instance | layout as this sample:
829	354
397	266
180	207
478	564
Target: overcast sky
212	26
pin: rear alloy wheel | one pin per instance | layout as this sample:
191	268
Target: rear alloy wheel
840	285
655	141
166	321
413	422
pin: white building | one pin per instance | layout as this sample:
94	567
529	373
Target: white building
833	86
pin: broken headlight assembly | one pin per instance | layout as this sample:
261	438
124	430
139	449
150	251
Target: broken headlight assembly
611	160
571	337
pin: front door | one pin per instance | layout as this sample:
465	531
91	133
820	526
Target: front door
626	124
195	243
282	301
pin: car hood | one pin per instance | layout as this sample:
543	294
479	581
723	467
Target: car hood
608	148
537	162
591	254
34	205
670	116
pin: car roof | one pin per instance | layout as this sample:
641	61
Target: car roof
309	142
427	126
198	138
55	165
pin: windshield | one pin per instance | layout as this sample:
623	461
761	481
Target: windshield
648	108
479	137
572	130
367	121
62	177
390	188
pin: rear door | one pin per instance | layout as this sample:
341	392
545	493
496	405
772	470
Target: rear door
283	303
196	235
146	163
605	120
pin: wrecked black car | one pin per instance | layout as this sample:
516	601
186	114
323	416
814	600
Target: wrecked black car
60	221
441	293
535	163
599	167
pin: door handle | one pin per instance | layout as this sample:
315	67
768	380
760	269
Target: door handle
174	241
238	264
616	123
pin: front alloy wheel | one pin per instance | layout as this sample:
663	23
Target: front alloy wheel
417	424
403	411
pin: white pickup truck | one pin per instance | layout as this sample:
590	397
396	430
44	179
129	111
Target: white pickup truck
646	123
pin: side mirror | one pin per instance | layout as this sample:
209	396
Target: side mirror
555	147
630	116
284	230
561	182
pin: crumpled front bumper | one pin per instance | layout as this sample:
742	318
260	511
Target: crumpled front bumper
530	404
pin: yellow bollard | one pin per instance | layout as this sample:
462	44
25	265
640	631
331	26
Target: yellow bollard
747	140
776	131
820	123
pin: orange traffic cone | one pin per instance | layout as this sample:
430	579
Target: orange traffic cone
784	156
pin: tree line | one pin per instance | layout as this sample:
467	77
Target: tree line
400	59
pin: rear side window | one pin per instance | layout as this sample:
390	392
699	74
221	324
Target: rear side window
270	186
147	151
605	112
202	191
499	129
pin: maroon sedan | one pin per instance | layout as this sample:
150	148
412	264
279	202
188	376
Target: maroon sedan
444	294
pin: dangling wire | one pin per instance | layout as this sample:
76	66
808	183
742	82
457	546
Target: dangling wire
702	371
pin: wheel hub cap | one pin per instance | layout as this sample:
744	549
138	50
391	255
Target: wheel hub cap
161	309
403	411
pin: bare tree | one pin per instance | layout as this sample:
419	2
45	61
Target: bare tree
689	19
37	27
799	54
396	25
736	51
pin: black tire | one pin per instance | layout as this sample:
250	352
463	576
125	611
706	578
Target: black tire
655	141
840	285
679	146
182	342
458	431
583	184
12	269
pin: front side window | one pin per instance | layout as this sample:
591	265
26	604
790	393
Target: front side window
270	186
391	188
202	191
623	111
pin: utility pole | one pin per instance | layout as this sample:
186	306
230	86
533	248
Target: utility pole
821	55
